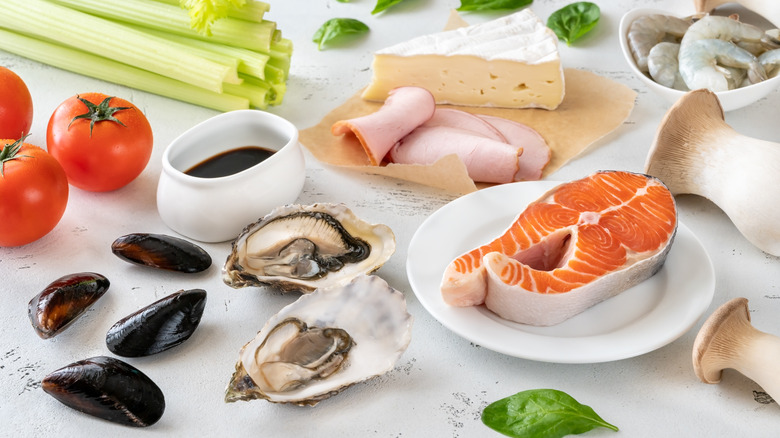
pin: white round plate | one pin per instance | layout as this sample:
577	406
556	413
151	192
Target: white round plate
639	320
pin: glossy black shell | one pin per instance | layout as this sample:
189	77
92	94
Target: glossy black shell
159	326
63	301
107	388
162	252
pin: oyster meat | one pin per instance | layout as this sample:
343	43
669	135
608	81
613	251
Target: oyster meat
324	342
303	247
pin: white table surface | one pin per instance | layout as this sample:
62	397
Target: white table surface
442	382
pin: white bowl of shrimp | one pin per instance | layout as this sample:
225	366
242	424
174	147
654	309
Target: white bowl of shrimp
652	48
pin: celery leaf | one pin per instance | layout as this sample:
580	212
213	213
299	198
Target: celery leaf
203	13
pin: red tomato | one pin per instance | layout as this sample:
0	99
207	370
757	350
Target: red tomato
102	142
16	106
33	193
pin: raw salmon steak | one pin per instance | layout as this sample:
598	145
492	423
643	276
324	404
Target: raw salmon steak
580	243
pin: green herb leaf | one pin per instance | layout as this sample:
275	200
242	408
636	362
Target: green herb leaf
492	5
381	5
573	21
337	27
536	413
343	1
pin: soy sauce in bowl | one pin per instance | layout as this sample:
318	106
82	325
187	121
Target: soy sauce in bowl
230	162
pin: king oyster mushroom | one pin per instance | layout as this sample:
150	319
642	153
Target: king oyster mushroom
303	247
324	342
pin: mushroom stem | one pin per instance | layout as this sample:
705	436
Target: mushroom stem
767	9
728	340
696	152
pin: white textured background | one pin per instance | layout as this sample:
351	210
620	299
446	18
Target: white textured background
441	384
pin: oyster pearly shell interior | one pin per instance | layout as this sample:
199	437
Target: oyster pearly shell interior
303	247
324	342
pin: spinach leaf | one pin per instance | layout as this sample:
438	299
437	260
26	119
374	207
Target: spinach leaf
381	5
536	413
336	27
573	21
492	5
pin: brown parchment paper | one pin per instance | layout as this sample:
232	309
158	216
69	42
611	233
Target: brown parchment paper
592	107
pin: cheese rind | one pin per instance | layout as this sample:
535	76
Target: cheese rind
510	62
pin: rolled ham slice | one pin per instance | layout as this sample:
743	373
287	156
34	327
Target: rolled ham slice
405	109
536	152
486	160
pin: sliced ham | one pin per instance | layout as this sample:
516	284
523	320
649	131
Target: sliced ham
486	159
536	152
405	109
463	120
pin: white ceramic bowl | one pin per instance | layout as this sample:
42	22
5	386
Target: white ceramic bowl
217	209
729	100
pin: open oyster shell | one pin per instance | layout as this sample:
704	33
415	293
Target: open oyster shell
303	247
324	342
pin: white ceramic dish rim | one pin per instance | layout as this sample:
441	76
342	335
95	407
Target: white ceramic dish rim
637	321
761	89
220	119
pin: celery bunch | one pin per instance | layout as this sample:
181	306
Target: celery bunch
219	54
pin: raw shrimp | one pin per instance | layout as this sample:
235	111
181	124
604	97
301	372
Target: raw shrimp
722	28
663	65
702	61
770	60
649	30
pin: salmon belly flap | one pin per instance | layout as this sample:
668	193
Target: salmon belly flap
580	243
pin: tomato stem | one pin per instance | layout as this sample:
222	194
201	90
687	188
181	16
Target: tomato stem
99	113
10	152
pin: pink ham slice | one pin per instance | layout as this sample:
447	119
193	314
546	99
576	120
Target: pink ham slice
405	109
486	159
536	152
467	121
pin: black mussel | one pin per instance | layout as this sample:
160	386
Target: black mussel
63	301
159	326
107	388
161	251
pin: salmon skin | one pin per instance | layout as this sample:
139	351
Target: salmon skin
580	243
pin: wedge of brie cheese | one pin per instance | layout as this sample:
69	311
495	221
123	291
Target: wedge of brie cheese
510	62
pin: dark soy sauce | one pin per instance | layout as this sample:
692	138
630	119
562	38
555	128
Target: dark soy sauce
230	162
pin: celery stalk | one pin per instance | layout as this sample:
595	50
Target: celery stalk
258	94
172	19
111	40
94	66
249	62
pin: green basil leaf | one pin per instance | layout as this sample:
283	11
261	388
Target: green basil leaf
573	21
536	413
337	27
381	5
492	5
343	1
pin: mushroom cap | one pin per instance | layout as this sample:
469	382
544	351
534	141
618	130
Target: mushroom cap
714	336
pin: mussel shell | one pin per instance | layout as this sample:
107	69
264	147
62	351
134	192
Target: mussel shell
159	326
107	388
162	252
56	307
